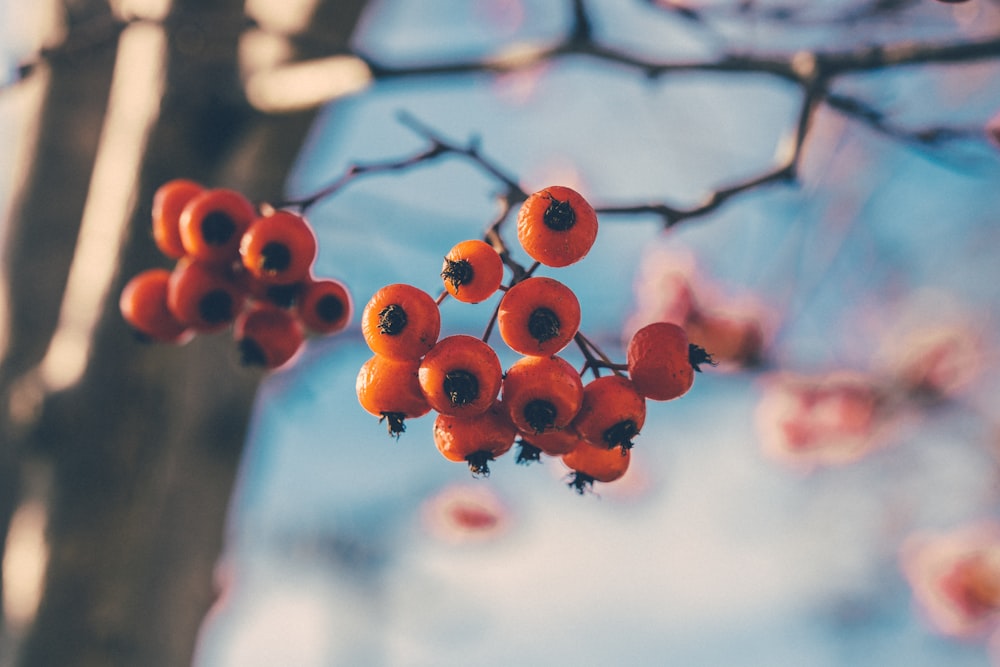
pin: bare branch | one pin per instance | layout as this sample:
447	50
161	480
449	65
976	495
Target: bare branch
878	121
439	146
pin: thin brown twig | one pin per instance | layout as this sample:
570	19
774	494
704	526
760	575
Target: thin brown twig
438	147
594	357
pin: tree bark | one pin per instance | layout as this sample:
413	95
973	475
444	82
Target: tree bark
144	450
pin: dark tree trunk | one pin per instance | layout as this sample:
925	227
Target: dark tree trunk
144	450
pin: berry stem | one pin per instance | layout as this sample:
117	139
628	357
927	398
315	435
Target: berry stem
595	357
492	323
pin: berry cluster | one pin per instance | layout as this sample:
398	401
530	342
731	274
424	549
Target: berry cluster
235	267
541	402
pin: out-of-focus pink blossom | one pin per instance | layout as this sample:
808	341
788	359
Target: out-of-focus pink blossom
733	336
815	421
464	513
504	17
663	291
936	361
668	288
993	129
955	578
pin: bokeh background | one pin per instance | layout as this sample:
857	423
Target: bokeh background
172	507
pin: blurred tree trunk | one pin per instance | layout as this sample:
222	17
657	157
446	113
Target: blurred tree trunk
144	450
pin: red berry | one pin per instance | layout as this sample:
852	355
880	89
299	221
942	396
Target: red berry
390	390
461	375
143	304
168	202
543	394
202	296
212	224
612	413
593	463
476	440
267	336
283	296
553	443
472	271
401	321
325	306
538	316
279	248
556	226
659	361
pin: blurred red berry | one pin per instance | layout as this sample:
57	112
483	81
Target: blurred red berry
325	306
212	224
279	248
955	578
168	202
267	336
143	304
823	420
203	296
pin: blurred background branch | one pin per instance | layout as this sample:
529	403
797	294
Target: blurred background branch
136	446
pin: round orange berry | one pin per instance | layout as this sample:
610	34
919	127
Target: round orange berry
543	394
283	296
476	440
472	271
267	336
553	443
389	389
658	361
460	375
212	224
556	226
203	296
143	304
593	463
325	306
401	321
538	316
168	202
612	413
279	248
